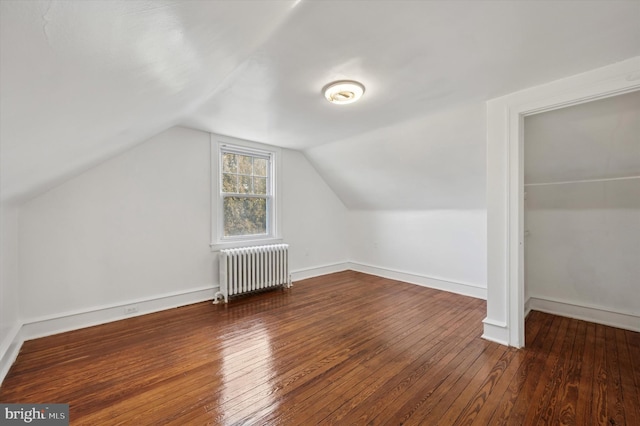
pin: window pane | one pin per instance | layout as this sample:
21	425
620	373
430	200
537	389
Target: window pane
229	183
259	167
259	185
229	163
244	184
244	164
245	216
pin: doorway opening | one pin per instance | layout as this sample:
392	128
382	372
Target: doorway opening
505	184
582	211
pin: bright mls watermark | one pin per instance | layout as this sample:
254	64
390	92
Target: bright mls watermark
34	414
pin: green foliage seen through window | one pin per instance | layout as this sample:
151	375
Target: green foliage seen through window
245	194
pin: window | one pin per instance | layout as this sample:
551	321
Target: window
245	194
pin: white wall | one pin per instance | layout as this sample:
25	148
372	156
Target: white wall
583	246
416	192
138	227
439	248
9	314
314	219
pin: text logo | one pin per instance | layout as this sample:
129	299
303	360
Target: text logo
34	414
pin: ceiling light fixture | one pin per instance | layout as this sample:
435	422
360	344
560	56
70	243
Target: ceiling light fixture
343	92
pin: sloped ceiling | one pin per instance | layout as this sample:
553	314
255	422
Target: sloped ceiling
82	81
595	140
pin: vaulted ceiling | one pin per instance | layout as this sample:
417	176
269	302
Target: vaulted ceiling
81	81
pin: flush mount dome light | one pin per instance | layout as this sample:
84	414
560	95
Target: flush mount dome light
343	92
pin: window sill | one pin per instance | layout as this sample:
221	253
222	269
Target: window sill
243	243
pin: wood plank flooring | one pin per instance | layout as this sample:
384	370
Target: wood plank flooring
346	348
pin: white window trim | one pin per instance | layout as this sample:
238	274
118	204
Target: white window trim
217	240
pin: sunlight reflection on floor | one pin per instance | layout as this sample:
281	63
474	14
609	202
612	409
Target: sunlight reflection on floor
247	373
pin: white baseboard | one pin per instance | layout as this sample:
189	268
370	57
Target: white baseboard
495	331
597	314
9	349
67	321
303	274
425	281
52	324
527	307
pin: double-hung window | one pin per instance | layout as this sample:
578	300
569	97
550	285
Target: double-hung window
246	189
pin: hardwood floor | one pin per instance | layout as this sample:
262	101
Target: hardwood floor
346	348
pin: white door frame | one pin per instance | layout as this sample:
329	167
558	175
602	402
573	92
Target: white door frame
505	184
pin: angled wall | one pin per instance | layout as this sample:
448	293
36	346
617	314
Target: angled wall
415	193
136	229
315	223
